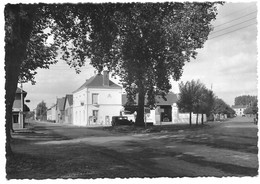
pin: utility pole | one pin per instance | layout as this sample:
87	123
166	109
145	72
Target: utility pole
21	115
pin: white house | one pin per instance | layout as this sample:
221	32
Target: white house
51	113
96	101
239	109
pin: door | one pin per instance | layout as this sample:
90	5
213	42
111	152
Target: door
95	116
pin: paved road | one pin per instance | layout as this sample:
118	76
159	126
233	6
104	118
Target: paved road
220	149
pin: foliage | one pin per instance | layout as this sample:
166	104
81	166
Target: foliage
244	100
41	111
220	107
190	97
30	114
144	43
252	108
207	102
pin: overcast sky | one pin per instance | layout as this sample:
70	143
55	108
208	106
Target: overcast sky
227	63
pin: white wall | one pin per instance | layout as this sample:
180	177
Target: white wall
185	118
109	104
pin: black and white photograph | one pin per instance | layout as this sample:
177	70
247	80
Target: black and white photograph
121	91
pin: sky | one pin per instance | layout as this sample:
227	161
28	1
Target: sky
227	64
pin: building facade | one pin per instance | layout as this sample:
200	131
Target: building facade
51	113
17	107
96	101
68	109
239	109
60	115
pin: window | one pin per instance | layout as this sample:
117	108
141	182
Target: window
94	98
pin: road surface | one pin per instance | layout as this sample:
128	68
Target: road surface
59	151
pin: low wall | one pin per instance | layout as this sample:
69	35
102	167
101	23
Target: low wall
185	118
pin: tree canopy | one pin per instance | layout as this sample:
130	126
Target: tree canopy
220	107
244	100
191	96
41	111
252	108
144	43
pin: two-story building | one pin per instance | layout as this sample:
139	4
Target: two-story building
96	101
239	109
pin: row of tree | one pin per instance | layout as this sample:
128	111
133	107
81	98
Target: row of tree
194	97
245	100
252	108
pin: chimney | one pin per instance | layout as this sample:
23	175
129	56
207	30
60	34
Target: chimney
105	78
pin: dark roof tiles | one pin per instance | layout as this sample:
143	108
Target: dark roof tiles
171	98
97	82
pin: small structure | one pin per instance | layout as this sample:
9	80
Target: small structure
51	113
165	112
96	101
68	109
60	110
239	109
17	107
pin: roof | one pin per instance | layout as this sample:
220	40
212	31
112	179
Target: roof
61	103
97	82
170	99
17	106
239	106
19	91
69	98
54	105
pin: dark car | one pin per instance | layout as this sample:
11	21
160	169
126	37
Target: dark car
120	120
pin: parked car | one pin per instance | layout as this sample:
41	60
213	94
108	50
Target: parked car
120	120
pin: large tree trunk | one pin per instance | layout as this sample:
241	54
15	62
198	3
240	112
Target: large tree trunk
18	29
140	110
190	117
197	119
202	119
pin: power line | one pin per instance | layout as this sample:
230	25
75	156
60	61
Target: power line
232	31
232	25
235	19
241	10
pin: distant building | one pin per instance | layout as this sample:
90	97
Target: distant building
239	109
60	116
68	109
17	106
96	101
51	113
165	112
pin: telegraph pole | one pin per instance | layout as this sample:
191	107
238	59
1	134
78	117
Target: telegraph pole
21	115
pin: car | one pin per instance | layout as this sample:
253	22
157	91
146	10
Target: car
120	120
243	115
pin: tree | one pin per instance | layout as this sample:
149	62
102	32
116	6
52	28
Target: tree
244	100
220	107
41	111
190	96
144	44
206	103
25	50
252	108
